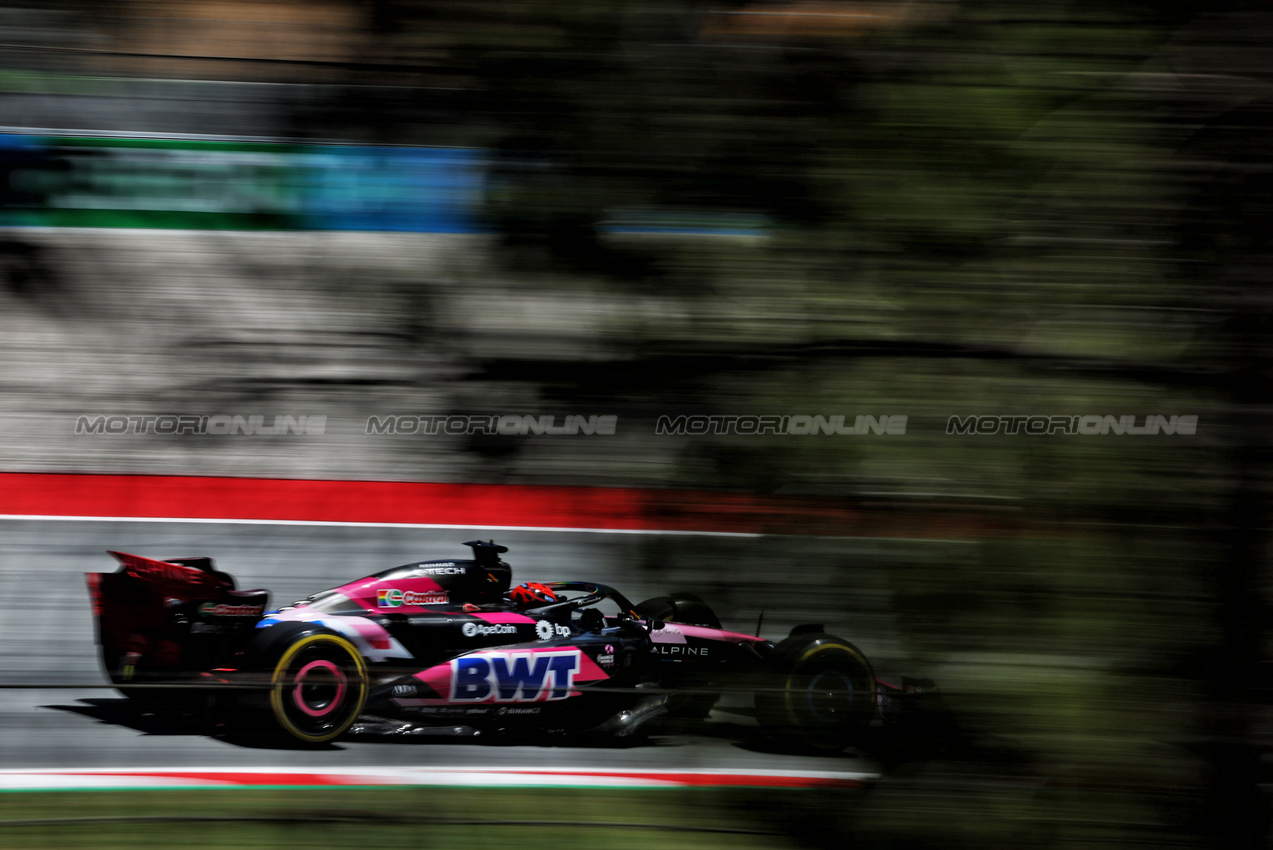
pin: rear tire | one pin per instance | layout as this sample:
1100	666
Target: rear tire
318	687
822	692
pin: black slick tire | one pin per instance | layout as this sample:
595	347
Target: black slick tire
820	692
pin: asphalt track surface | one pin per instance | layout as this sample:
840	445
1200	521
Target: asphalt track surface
56	713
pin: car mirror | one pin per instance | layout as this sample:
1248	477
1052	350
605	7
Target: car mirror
655	625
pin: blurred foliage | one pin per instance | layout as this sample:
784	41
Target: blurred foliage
976	208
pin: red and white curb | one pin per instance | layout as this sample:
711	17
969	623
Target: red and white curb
133	779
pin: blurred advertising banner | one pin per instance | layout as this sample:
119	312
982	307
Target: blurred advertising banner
427	190
226	185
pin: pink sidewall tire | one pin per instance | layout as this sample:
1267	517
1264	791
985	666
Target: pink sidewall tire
318	687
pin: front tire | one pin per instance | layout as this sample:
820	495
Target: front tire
822	694
318	687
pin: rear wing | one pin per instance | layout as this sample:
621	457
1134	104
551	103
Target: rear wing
175	579
158	617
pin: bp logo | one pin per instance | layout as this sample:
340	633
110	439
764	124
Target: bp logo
545	630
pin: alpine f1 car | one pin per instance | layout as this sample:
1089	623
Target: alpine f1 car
449	643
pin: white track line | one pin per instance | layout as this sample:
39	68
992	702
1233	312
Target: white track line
447	527
351	524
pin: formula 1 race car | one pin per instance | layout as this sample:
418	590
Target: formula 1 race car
449	643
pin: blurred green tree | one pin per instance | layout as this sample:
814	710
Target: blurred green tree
990	209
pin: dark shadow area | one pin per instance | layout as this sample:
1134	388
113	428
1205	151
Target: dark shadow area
126	713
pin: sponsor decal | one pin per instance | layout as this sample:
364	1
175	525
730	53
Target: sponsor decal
440	570
668	634
209	609
476	629
162	571
504	711
404	690
606	659
446	710
394	598
206	629
515	676
680	650
545	630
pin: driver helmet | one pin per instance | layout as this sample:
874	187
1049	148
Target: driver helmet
532	594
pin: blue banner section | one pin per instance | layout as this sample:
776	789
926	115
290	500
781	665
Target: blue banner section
211	184
426	190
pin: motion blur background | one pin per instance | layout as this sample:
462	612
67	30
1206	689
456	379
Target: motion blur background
646	208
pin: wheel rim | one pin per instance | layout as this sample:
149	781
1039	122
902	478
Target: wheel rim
829	697
319	688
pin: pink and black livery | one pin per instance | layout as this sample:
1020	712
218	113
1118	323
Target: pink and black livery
441	644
